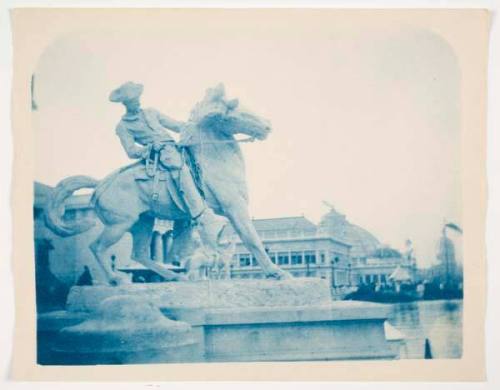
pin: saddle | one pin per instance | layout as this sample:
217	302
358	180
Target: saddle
165	176
163	186
163	183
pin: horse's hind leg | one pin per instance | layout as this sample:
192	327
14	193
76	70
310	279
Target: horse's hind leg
109	236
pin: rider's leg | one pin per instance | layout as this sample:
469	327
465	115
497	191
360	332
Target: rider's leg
210	226
194	202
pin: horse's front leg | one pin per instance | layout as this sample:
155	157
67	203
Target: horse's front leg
242	223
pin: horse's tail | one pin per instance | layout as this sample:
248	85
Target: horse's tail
54	209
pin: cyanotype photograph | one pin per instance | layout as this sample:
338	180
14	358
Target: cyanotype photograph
218	186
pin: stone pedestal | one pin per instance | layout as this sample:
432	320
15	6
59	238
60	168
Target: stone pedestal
124	329
339	330
209	294
234	320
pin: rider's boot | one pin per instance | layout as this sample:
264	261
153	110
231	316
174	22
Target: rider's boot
211	227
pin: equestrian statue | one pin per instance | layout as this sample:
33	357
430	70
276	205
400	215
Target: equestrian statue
191	182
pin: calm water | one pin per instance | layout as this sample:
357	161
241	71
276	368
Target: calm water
439	321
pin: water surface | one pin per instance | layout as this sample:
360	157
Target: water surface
439	321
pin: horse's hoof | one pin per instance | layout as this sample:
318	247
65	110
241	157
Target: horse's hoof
113	282
279	274
181	278
285	275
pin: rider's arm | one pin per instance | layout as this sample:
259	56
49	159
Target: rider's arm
170	123
133	150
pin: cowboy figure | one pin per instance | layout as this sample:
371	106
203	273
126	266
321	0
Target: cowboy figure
142	131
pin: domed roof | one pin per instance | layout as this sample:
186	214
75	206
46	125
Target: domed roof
386	252
362	242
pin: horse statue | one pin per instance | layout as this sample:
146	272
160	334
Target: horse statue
123	200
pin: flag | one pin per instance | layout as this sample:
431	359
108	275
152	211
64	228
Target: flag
454	226
34	106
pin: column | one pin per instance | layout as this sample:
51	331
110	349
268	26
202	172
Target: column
167	241
157	247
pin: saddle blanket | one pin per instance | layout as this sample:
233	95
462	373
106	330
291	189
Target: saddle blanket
166	189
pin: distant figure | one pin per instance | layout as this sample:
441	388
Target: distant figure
113	262
428	350
199	264
223	264
85	278
203	264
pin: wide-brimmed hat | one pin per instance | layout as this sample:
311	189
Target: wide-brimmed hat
127	91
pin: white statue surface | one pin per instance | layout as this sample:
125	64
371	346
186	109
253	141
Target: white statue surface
187	183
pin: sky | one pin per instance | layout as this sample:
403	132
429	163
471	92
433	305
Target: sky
366	118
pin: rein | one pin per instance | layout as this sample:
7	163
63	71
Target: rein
232	141
201	142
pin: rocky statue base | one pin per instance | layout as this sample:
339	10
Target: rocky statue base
235	320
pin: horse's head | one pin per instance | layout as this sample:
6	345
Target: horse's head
217	114
241	121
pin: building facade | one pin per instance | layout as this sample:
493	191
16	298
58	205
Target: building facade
377	268
337	250
295	245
